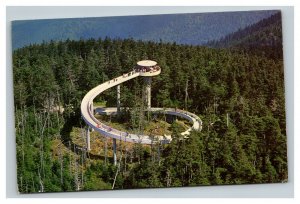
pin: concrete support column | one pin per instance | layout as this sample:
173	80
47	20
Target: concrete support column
147	81
118	99
115	151
88	140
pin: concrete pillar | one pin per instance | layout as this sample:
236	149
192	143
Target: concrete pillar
115	151
147	81
88	140
118	99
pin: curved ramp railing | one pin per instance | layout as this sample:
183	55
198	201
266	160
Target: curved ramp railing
87	112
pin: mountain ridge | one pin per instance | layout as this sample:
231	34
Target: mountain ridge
263	37
193	29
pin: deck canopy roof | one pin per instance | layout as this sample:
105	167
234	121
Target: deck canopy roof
146	63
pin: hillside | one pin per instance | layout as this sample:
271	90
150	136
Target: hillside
263	37
195	29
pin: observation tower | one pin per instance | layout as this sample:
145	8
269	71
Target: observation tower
147	69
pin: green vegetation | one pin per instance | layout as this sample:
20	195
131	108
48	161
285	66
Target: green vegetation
239	95
99	103
158	125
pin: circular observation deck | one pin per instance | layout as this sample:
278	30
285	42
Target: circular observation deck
147	68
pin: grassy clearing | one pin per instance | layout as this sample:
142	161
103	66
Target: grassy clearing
154	127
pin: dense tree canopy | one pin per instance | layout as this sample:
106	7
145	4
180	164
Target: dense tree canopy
238	95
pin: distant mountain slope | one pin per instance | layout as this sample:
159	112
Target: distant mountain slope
263	37
195	29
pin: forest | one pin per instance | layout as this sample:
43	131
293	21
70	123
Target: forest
263	37
238	95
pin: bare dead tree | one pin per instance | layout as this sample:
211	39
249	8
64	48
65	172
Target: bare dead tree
76	173
186	94
41	181
42	145
118	169
125	159
22	136
105	151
